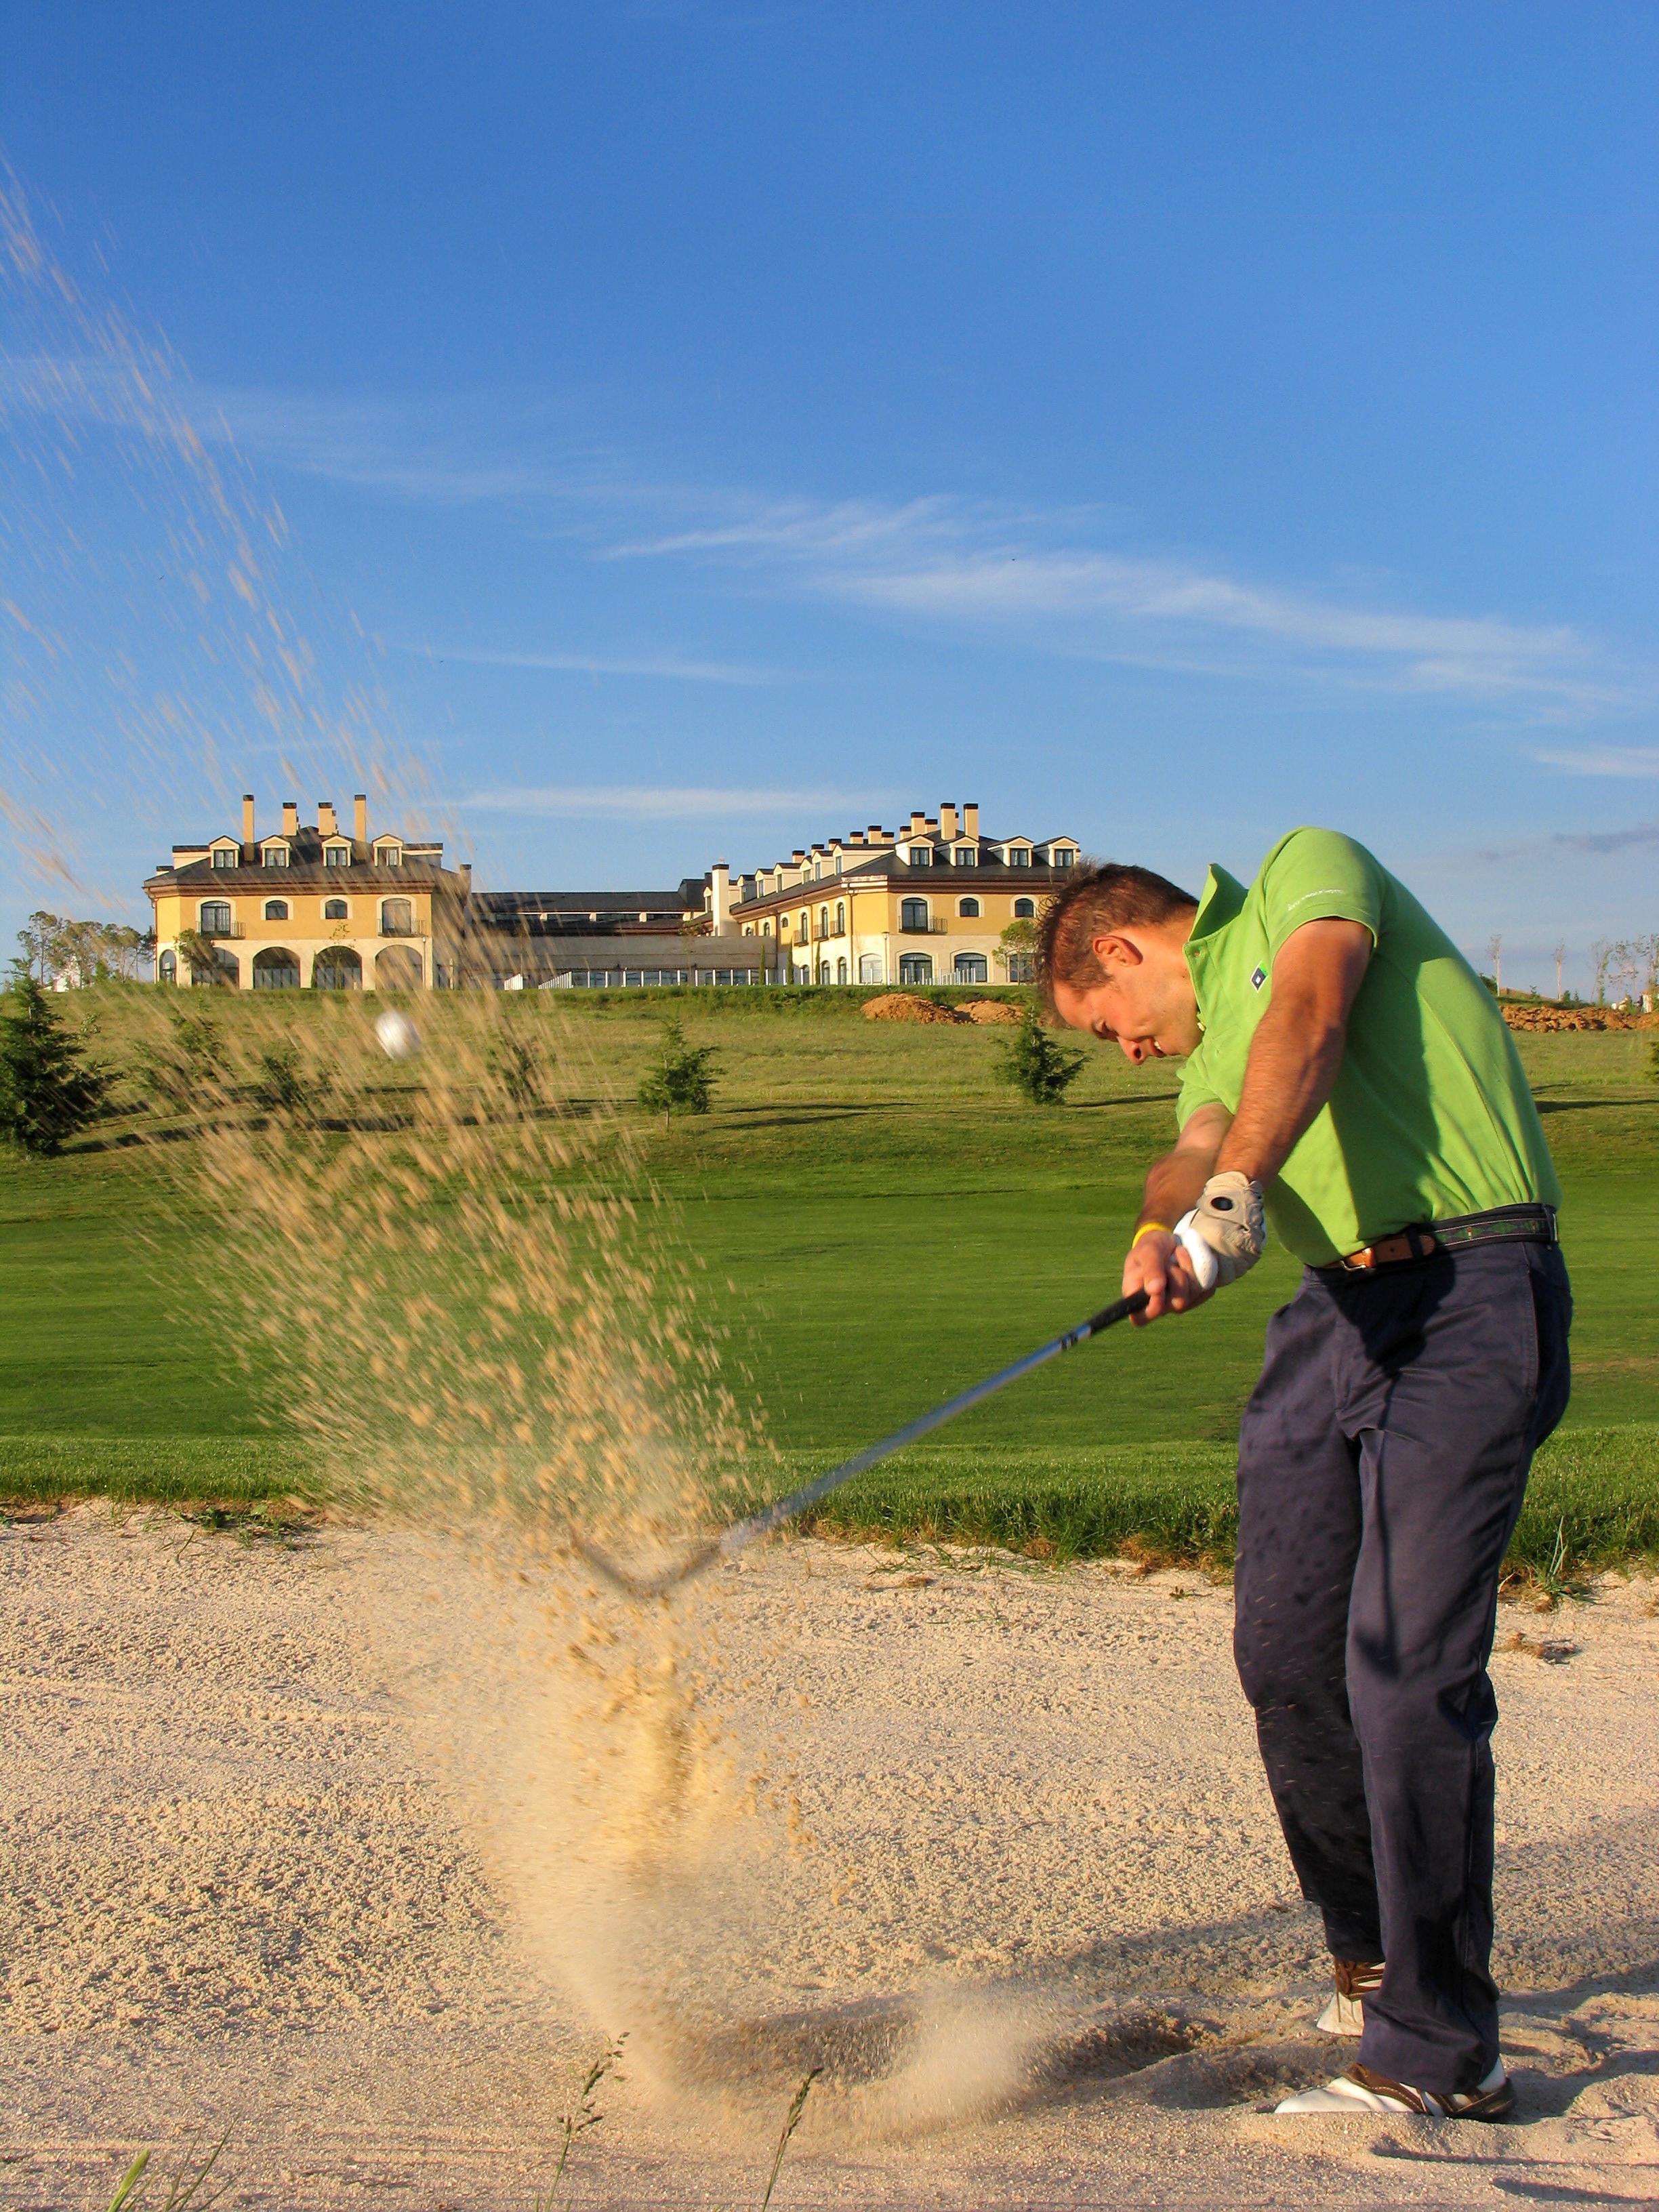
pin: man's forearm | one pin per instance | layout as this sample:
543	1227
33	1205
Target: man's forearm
1174	1185
1294	1060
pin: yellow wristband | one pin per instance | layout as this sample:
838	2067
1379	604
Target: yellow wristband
1147	1228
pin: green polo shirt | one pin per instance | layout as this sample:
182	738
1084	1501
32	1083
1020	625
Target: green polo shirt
1431	1115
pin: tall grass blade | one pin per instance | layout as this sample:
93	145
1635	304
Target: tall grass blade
792	2121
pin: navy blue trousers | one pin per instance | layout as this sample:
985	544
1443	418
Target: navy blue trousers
1382	1464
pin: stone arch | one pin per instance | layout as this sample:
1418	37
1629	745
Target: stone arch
337	968
276	968
398	968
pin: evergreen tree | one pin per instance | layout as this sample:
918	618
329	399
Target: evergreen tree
48	1089
1031	1061
678	1079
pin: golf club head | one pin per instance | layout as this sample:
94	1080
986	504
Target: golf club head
641	1587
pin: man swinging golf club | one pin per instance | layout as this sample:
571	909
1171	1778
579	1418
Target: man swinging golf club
1350	1079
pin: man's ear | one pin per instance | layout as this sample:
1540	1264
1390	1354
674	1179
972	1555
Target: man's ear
1114	949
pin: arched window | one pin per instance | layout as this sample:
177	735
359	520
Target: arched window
969	909
971	967
915	968
337	968
840	917
869	966
841	971
824	922
397	917
913	913
166	967
276	909
766	929
276	968
334	909
823	971
1025	909
806	925
216	917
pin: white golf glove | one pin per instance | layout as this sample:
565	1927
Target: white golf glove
1226	1233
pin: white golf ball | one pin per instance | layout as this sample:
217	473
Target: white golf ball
399	1039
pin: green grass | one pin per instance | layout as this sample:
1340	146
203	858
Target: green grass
878	1223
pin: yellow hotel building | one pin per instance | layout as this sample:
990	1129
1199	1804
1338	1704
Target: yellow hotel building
924	904
309	905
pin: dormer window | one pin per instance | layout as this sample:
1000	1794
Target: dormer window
337	856
1061	856
1019	856
920	856
276	856
226	856
966	856
389	856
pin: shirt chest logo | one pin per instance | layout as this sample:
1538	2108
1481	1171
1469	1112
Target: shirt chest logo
1258	979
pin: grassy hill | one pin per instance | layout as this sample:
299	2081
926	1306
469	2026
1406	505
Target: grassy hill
877	1222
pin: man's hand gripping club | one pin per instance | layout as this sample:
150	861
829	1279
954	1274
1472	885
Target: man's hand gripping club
1199	1229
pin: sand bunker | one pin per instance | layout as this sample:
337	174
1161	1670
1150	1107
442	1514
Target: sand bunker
991	1846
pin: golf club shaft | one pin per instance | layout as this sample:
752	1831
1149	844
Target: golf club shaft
786	1508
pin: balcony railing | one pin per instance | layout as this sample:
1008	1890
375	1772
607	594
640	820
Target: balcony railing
936	927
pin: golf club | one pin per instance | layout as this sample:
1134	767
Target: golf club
733	1540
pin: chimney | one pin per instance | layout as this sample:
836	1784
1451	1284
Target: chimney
248	853
947	821
970	818
326	825
719	904
360	819
290	818
918	822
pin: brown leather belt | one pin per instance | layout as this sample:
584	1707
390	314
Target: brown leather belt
1504	1225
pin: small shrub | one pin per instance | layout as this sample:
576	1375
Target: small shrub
678	1080
49	1090
281	1086
516	1064
1038	1067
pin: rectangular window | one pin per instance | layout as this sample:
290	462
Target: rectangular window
276	857
225	859
338	856
967	856
1019	857
922	856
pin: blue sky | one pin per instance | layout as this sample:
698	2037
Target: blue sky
732	420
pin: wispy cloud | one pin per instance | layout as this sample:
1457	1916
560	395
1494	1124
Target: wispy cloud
949	561
581	664
1605	760
667	803
1042	576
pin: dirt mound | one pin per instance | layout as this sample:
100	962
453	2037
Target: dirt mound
1546	1017
905	1006
993	1011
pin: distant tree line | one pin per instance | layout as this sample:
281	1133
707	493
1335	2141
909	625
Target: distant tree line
58	949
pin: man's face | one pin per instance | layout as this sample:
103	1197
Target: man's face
1144	1004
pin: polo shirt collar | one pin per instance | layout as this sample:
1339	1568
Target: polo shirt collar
1220	904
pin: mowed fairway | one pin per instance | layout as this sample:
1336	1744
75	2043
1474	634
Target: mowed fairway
878	1222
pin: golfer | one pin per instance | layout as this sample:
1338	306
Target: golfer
1348	1078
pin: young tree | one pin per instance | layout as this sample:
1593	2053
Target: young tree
1602	951
1036	1067
678	1079
1495	954
1559	956
516	1064
1017	949
49	1092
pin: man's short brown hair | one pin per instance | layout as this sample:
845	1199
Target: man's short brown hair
1096	900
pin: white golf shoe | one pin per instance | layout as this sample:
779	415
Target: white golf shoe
1345	2010
1360	2091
